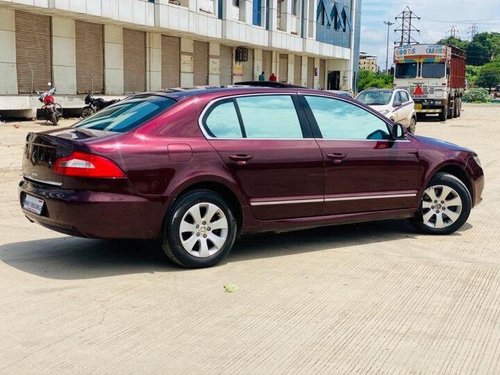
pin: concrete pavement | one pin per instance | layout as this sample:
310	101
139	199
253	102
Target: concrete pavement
368	298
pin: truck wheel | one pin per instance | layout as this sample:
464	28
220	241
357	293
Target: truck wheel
442	114
450	112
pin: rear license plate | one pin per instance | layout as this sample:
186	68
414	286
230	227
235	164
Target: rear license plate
33	204
418	106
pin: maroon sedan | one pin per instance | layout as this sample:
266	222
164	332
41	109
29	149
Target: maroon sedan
198	167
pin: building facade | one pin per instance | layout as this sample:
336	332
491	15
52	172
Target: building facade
116	47
368	62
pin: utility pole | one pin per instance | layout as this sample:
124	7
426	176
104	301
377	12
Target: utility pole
406	27
453	31
472	30
389	24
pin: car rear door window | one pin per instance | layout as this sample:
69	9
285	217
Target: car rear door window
269	117
222	121
338	119
404	96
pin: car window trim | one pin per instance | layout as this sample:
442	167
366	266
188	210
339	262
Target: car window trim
317	131
212	104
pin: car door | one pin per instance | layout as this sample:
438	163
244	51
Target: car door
270	152
403	111
365	169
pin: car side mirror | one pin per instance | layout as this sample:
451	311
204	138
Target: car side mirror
398	131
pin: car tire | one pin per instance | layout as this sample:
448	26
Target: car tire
442	114
200	230
413	125
445	206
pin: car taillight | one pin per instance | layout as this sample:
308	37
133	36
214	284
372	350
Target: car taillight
80	164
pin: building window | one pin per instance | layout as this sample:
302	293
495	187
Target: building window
236	3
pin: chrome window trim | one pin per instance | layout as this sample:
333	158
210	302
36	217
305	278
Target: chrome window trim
214	101
381	117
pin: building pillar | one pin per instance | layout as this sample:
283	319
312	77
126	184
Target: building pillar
291	68
316	83
258	65
214	63
113	60
303	74
153	61
273	15
64	55
187	62
311	19
8	69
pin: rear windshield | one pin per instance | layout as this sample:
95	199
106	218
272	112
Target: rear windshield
126	115
406	70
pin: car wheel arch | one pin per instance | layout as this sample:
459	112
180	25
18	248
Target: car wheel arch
457	170
227	189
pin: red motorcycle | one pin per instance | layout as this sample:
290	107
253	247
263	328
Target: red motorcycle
51	111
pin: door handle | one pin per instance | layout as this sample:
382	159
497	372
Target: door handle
337	157
240	158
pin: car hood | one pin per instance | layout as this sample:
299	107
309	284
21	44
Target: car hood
438	143
380	108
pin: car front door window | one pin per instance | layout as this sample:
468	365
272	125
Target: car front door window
338	119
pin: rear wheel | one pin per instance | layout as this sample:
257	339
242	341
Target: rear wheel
459	110
86	112
413	125
53	116
445	206
200	230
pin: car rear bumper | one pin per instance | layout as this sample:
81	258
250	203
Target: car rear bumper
94	214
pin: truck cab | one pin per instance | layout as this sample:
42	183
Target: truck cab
434	75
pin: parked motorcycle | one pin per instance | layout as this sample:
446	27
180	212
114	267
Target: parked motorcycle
95	104
51	111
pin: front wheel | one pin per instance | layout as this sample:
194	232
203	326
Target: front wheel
53	116
86	112
445	207
442	114
200	230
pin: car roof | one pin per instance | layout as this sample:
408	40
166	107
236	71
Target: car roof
180	93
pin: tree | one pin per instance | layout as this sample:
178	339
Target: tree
483	48
452	41
367	78
471	74
489	76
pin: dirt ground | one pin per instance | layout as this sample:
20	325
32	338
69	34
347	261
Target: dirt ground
367	298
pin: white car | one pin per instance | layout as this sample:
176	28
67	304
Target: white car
395	104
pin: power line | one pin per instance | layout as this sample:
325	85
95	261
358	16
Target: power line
406	27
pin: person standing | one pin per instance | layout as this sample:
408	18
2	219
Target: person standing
262	76
273	77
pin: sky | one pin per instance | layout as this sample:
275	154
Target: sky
436	19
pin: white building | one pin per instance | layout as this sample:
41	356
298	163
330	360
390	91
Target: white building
115	47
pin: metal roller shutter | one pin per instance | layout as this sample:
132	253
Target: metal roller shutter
170	62
200	74
134	60
89	57
310	72
226	65
248	67
297	66
33	52
322	68
267	59
283	67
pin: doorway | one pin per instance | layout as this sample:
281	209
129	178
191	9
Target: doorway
334	80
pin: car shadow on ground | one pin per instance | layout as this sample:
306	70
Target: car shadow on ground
70	258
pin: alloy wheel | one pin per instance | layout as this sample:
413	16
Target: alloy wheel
203	230
441	206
